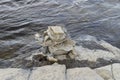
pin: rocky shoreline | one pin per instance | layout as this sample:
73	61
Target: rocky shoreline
93	24
59	72
96	64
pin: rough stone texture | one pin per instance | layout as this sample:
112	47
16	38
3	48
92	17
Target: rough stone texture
57	30
111	52
54	36
82	74
59	72
104	54
113	49
14	74
54	72
56	42
110	72
93	55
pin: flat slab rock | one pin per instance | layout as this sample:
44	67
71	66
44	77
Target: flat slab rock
82	74
59	72
54	72
111	52
14	74
110	72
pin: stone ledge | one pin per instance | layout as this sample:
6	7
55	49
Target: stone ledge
82	74
54	72
110	72
59	72
14	74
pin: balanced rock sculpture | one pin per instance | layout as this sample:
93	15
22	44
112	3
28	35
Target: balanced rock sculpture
57	45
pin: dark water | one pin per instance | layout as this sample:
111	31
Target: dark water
84	19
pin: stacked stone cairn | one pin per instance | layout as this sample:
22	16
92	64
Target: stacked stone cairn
57	45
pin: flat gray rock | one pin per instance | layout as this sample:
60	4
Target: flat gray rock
110	72
82	74
14	74
54	72
111	52
93	55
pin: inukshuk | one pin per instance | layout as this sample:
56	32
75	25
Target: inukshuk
57	45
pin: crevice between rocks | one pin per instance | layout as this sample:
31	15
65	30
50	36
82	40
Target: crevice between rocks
85	63
29	74
112	72
69	63
66	74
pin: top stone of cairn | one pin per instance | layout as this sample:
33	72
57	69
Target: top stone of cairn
56	33
56	29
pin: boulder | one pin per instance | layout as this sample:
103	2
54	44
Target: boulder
53	72
14	74
113	49
110	72
93	55
108	53
82	74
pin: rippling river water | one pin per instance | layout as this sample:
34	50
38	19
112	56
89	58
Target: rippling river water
84	19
